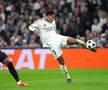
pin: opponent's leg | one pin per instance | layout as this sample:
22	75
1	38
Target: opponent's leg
81	43
13	72
63	68
11	69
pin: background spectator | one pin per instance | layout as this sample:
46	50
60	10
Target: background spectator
82	19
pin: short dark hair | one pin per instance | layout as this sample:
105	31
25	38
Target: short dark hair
49	12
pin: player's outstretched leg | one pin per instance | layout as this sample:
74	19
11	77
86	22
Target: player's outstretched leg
81	43
13	72
64	69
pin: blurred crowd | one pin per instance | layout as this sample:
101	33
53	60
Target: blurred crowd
82	19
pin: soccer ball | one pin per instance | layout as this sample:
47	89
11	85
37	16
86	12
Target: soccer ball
91	44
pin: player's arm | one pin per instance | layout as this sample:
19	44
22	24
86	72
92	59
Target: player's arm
34	27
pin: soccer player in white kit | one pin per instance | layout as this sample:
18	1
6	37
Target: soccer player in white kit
46	28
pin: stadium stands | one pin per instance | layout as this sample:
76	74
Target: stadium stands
83	19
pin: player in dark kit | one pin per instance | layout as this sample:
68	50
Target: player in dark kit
5	60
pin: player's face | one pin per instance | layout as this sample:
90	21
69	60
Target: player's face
51	18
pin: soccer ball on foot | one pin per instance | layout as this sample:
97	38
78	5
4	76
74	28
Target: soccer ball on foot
91	44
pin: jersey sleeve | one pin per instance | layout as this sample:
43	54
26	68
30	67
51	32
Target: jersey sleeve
34	26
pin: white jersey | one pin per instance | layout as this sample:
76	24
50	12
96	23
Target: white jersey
47	31
49	37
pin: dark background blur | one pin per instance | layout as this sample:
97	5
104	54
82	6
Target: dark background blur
82	19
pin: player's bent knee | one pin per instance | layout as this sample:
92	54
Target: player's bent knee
7	61
60	60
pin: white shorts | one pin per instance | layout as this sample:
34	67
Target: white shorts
58	42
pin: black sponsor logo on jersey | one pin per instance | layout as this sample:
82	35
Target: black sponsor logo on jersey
48	29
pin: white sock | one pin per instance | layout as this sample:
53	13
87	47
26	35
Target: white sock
64	70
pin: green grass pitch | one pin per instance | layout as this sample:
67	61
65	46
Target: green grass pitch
83	79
